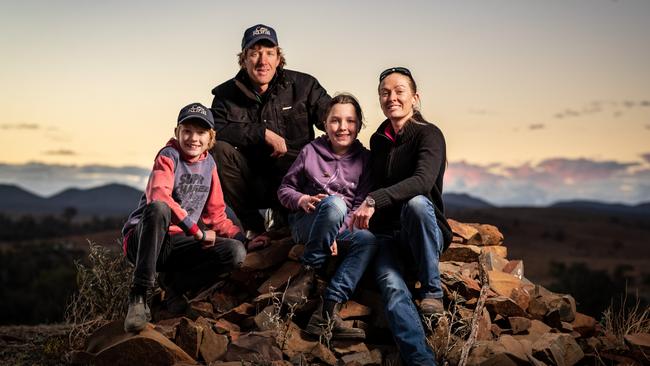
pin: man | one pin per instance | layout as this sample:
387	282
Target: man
263	117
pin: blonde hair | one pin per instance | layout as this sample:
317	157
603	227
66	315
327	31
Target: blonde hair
211	132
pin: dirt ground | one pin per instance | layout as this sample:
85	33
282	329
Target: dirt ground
33	345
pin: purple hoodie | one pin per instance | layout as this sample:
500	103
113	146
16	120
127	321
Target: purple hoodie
318	170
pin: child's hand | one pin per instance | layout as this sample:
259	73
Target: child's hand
258	242
210	238
308	203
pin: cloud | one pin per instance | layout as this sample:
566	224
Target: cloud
47	179
536	126
646	157
61	152
552	180
19	126
601	106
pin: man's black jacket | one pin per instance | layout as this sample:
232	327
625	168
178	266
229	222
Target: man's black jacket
294	103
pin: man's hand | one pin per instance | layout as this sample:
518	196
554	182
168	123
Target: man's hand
361	217
276	142
210	238
258	242
308	203
334	248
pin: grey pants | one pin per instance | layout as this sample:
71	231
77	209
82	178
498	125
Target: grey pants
187	266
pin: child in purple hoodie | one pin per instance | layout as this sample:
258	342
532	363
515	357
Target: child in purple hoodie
327	182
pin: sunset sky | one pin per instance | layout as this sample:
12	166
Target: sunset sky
539	101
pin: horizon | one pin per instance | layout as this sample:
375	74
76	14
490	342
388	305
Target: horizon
538	102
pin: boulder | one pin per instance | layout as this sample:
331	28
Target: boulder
111	346
188	337
213	346
279	278
268	257
557	349
503	306
254	347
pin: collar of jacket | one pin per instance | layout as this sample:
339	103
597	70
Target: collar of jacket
244	84
405	134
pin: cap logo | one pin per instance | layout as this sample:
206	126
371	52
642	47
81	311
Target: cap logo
261	30
198	109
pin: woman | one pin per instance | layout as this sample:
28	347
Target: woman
408	164
326	183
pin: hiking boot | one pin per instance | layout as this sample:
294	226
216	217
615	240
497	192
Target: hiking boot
431	306
326	319
298	290
138	314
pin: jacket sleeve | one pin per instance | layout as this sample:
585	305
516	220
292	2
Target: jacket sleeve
160	188
293	182
318	101
430	153
235	129
214	212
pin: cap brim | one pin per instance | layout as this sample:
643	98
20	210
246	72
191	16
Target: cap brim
207	123
260	38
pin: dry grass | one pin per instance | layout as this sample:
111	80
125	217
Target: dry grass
103	293
622	320
447	332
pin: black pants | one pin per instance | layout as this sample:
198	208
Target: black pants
250	183
187	266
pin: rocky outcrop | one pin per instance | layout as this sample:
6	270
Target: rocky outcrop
244	320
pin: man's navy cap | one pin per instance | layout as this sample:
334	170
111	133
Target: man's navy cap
257	33
196	111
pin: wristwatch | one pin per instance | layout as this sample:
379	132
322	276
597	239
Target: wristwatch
370	202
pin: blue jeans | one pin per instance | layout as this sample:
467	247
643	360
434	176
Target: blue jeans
417	246
318	230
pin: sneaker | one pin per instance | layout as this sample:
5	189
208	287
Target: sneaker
300	286
431	306
138	314
326	319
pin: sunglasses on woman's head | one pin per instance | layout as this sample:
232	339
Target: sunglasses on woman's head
399	70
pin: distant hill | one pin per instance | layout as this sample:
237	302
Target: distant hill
459	201
108	200
607	208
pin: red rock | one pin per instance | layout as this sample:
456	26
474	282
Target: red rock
543	301
519	324
504	306
197	309
498	250
347	347
296	252
363	358
639	343
464	231
213	346
239	313
111	346
493	262
515	268
267	319
188	337
270	256
280	277
223	302
353	309
223	326
489	234
461	253
253	347
557	349
584	324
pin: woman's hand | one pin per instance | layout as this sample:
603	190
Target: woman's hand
308	203
361	217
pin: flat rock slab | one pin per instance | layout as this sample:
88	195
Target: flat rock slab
111	346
